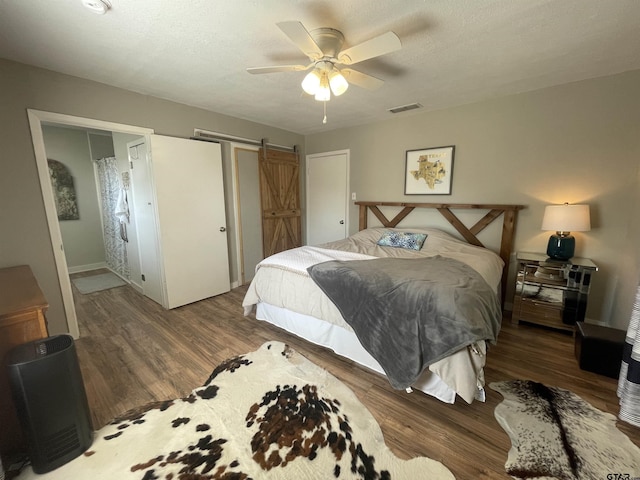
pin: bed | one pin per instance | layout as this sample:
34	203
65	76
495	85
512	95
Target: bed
284	293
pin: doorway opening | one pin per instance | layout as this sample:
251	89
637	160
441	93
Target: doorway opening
38	119
247	209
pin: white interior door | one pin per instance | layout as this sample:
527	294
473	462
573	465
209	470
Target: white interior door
145	217
327	196
189	190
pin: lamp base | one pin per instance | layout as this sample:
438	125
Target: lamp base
561	246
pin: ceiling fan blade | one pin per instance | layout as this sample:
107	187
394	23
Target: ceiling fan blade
380	45
279	68
301	38
361	79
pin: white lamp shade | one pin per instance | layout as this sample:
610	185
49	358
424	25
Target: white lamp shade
323	93
311	82
566	218
338	83
323	80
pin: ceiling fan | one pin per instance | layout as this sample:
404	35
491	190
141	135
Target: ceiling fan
323	46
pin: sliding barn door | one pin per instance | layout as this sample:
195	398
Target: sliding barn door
280	200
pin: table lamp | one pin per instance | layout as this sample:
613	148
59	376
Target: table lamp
564	219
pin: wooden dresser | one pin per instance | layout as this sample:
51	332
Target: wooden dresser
22	308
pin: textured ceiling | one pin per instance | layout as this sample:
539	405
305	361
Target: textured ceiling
196	52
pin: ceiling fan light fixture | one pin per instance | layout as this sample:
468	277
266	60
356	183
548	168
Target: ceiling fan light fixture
311	82
338	83
323	47
323	93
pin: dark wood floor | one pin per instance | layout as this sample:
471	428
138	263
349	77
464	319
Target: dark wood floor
132	351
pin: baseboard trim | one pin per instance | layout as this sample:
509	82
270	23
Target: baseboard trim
593	321
86	268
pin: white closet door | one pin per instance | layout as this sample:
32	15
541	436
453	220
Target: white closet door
192	224
143	204
327	204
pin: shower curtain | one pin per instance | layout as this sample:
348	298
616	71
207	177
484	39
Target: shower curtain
629	381
110	189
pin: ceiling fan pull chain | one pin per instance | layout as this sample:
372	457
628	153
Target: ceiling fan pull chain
324	120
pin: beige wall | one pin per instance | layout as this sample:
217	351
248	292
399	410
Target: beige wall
24	236
573	143
628	277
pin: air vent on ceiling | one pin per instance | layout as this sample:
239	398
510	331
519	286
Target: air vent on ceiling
404	108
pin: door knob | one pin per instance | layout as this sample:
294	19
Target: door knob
341	222
222	229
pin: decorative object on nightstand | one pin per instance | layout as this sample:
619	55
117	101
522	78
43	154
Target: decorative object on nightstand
564	219
550	292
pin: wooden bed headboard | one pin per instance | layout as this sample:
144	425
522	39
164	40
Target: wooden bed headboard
508	213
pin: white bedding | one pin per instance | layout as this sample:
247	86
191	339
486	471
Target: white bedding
282	281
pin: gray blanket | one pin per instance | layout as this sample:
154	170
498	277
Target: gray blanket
410	313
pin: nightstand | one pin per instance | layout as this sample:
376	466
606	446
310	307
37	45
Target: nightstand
553	293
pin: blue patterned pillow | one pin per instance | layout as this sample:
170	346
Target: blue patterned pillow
412	241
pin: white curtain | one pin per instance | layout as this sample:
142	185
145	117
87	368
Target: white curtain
110	189
629	381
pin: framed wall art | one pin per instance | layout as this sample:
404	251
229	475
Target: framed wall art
429	171
64	190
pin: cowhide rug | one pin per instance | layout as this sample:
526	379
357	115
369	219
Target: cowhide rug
270	414
556	434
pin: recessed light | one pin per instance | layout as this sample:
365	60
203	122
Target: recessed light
99	7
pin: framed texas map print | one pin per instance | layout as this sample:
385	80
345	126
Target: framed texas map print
429	171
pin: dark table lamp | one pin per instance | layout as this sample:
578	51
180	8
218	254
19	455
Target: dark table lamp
564	219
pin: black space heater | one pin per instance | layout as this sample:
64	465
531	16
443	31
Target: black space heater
50	400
